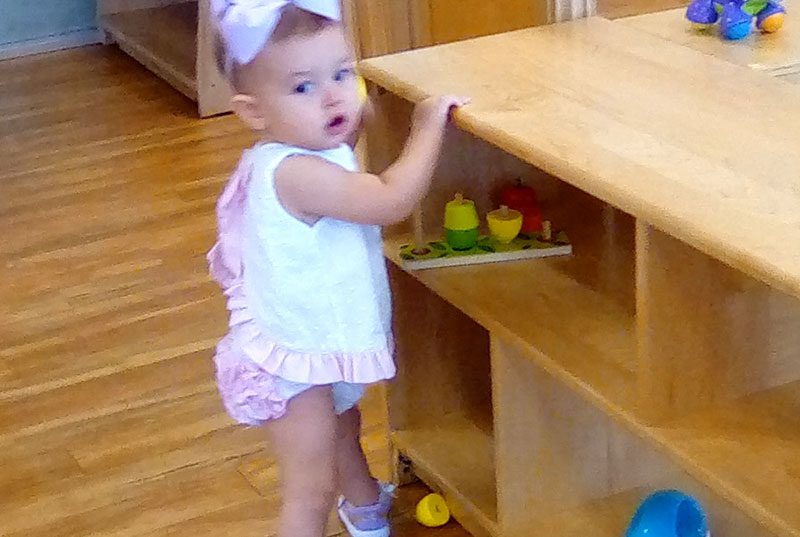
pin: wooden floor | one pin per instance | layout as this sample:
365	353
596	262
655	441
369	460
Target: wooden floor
109	420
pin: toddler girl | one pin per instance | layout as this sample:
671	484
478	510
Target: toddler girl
299	255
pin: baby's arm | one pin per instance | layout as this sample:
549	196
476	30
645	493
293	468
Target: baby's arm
310	187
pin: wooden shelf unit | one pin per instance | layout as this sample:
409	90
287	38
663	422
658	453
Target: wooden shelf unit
663	352
173	39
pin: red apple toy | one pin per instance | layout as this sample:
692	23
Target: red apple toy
523	198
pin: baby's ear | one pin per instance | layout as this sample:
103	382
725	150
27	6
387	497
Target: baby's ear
248	110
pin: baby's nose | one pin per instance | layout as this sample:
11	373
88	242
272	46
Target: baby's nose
334	95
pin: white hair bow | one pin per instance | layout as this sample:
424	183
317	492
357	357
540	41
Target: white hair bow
246	25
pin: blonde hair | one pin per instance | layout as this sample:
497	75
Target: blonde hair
294	22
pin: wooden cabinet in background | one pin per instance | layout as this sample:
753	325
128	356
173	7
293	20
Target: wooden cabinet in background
173	38
386	26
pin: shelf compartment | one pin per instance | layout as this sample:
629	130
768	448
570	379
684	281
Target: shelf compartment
445	366
562	463
555	451
440	404
747	451
575	313
456	457
576	333
163	39
707	332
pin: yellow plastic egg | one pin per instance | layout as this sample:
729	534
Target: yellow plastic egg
432	511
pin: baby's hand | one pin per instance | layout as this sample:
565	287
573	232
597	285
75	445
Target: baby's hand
432	113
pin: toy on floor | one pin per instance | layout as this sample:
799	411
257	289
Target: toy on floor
432	511
736	16
669	513
463	244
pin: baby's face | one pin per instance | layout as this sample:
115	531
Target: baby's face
307	90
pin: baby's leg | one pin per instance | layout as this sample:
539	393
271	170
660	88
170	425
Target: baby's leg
355	481
305	443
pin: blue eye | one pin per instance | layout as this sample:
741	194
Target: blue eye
343	74
305	87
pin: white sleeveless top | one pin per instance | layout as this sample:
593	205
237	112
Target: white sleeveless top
319	294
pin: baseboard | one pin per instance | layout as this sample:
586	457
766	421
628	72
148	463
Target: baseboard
107	7
49	44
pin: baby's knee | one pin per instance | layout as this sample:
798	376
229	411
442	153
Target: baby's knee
312	469
314	486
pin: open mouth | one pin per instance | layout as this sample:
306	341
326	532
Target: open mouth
336	122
